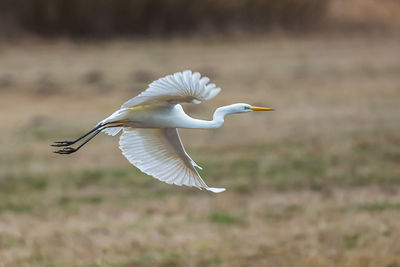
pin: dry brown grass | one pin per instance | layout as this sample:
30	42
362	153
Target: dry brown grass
367	14
314	184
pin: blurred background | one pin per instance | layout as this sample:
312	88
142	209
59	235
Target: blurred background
315	183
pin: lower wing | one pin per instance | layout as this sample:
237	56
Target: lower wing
160	153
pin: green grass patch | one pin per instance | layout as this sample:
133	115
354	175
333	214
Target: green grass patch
171	257
68	200
145	258
226	218
10	240
25	182
283	213
379	206
351	241
15	207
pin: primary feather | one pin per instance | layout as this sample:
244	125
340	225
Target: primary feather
177	88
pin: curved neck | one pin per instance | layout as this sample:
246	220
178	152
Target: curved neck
218	119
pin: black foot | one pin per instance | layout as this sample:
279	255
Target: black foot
66	150
62	143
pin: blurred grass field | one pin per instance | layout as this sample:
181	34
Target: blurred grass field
315	183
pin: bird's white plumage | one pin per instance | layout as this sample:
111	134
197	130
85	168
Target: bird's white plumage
112	131
150	139
160	153
177	88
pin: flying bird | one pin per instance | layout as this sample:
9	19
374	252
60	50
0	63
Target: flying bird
149	122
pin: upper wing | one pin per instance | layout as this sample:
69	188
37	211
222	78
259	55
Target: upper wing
177	88
160	153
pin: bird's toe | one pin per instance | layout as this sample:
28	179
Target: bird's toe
66	150
62	143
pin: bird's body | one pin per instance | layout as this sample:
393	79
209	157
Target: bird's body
149	123
166	116
152	116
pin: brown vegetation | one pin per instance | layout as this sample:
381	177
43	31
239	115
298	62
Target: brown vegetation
315	183
164	18
160	17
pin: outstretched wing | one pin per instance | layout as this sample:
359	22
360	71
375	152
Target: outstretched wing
177	88
160	153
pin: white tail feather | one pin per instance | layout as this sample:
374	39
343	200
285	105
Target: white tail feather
112	131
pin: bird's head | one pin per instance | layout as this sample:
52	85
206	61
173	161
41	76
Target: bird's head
244	108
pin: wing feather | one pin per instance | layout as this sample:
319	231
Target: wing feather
160	153
177	88
112	131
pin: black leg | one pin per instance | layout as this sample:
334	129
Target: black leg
68	143
69	150
97	130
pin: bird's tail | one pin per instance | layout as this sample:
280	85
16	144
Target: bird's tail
112	131
117	115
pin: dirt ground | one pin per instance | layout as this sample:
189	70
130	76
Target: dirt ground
315	183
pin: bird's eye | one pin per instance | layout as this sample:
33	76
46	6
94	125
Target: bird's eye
246	107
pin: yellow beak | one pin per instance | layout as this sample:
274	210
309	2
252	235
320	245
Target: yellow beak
262	109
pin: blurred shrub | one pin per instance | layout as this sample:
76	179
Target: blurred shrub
102	18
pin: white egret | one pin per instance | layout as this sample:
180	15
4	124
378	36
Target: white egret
149	123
